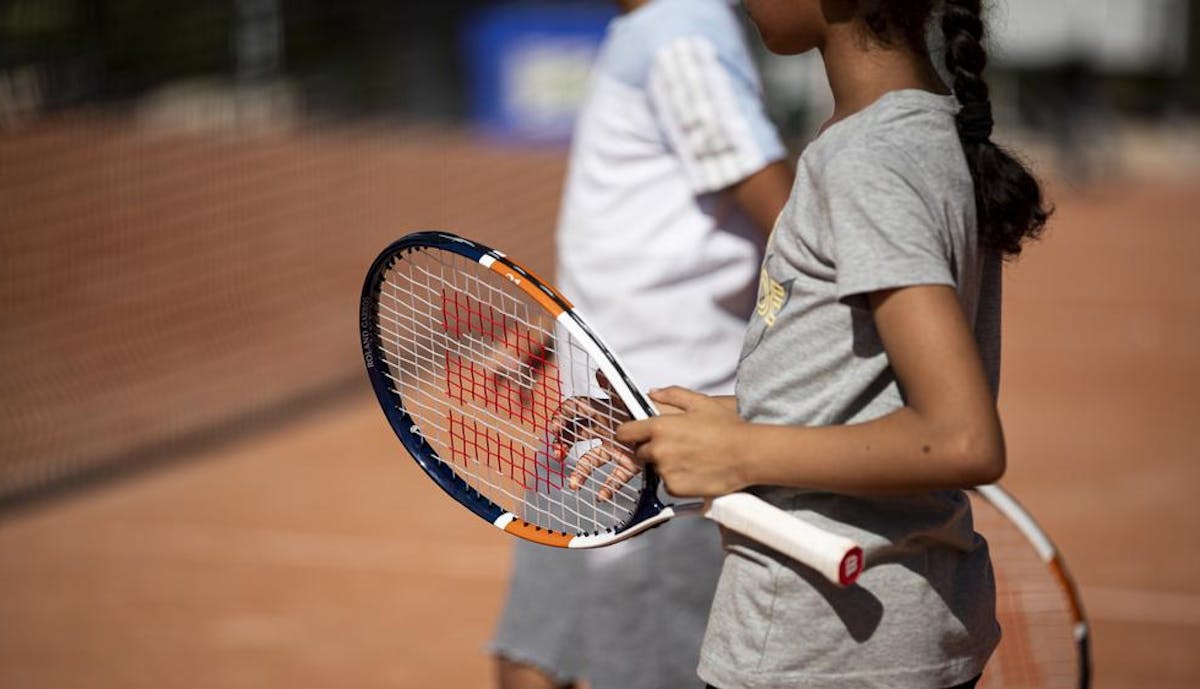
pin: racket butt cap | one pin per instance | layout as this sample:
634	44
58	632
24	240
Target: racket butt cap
850	567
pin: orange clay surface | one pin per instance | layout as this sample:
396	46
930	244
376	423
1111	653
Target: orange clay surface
316	555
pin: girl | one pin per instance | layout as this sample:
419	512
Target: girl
866	387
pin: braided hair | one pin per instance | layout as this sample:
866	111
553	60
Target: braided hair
1008	199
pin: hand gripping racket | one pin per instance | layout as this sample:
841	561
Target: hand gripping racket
472	358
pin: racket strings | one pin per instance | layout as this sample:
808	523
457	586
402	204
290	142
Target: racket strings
1038	649
483	371
495	482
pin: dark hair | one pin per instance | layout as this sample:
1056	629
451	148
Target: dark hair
1008	199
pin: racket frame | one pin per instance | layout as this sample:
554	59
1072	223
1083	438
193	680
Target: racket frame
649	511
1048	552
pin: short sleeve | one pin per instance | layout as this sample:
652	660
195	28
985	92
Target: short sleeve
884	228
711	110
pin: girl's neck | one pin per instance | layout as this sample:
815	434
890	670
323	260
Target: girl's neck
861	71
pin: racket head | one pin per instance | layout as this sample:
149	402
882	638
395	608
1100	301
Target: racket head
439	316
1045	643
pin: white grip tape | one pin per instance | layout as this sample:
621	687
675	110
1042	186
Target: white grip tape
835	557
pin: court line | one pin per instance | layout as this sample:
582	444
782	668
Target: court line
1142	606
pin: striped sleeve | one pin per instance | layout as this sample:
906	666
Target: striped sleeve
712	114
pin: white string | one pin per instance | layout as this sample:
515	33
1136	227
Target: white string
415	344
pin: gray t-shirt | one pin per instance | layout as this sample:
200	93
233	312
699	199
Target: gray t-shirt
882	199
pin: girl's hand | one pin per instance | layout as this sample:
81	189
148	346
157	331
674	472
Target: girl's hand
580	419
697	449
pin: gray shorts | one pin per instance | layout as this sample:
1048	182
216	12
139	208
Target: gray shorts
628	616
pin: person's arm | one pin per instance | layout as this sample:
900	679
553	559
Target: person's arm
709	106
947	435
762	195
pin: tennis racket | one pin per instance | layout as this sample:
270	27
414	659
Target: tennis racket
1046	642
477	363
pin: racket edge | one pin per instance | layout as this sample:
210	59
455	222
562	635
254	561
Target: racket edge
1008	506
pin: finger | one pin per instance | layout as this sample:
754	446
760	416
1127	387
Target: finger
567	415
672	482
633	433
584	468
673	489
558	452
605	385
667	410
645	454
578	414
621	475
678	397
609	411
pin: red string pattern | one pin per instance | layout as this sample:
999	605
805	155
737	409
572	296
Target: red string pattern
476	443
509	372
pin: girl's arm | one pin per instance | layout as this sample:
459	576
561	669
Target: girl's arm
947	435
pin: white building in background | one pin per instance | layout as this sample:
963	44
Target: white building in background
1114	36
1141	36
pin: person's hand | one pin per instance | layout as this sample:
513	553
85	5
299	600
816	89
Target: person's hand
581	419
695	450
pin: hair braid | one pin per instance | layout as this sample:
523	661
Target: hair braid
1008	199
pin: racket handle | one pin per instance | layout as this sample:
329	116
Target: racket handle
837	558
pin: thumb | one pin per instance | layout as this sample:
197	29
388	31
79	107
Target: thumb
681	398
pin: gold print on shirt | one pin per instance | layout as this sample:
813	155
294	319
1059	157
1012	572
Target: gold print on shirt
771	298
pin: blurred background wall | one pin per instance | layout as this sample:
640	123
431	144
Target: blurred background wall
458	59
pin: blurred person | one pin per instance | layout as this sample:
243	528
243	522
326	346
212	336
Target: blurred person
866	390
675	178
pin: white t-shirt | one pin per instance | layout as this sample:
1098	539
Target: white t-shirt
650	249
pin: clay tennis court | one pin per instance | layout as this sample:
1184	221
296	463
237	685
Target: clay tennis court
189	311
